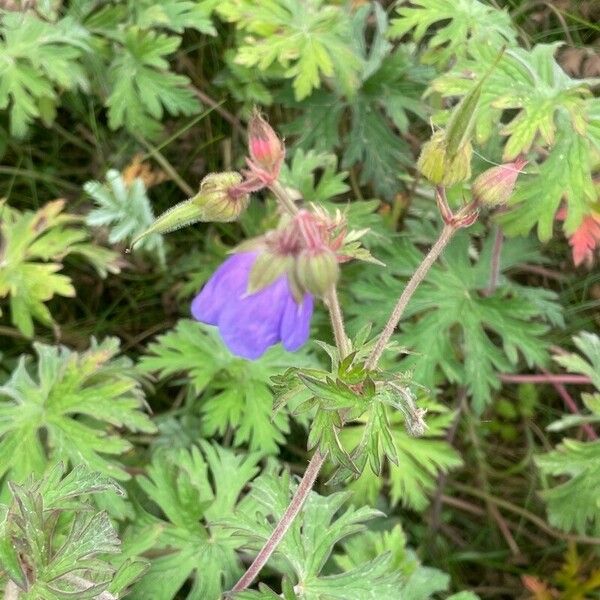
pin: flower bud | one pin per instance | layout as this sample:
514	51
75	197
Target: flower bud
317	270
495	186
268	267
213	202
436	164
266	149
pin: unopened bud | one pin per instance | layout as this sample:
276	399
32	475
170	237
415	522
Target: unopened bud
317	270
266	149
268	267
213	202
495	186
439	167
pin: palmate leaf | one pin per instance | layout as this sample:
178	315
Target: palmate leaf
306	40
300	175
125	209
418	460
234	393
372	566
548	108
529	82
469	23
193	489
418	582
37	60
388	94
460	332
565	176
176	15
33	245
55	545
69	409
142	87
574	504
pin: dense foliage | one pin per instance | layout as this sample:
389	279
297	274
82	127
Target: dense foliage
141	458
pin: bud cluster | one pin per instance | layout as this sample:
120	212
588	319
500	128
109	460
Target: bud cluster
305	248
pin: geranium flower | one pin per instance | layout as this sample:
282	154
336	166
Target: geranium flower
251	323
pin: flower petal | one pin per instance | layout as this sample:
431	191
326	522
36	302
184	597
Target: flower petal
295	322
251	324
227	284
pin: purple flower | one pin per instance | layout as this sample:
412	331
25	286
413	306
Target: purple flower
250	323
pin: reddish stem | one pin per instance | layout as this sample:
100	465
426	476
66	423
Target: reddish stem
300	495
572	406
546	378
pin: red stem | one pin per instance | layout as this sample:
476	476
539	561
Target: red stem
546	378
572	406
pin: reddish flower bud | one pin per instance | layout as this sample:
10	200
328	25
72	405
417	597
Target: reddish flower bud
266	149
495	186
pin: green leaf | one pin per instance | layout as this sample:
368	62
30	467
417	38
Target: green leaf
176	15
589	346
63	549
417	582
193	490
469	24
126	210
38	59
574	503
418	460
565	176
77	400
460	332
307	545
34	244
303	40
530	83
233	393
300	175
142	87
373	144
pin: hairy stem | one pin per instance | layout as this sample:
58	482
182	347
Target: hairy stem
337	323
294	507
546	378
343	345
445	236
316	462
283	198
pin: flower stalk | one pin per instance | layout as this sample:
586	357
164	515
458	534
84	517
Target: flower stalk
453	223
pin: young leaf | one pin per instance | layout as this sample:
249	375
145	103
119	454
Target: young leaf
62	547
418	461
142	86
469	24
77	400
33	244
301	176
176	15
306	39
39	59
418	582
193	490
574	504
124	208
